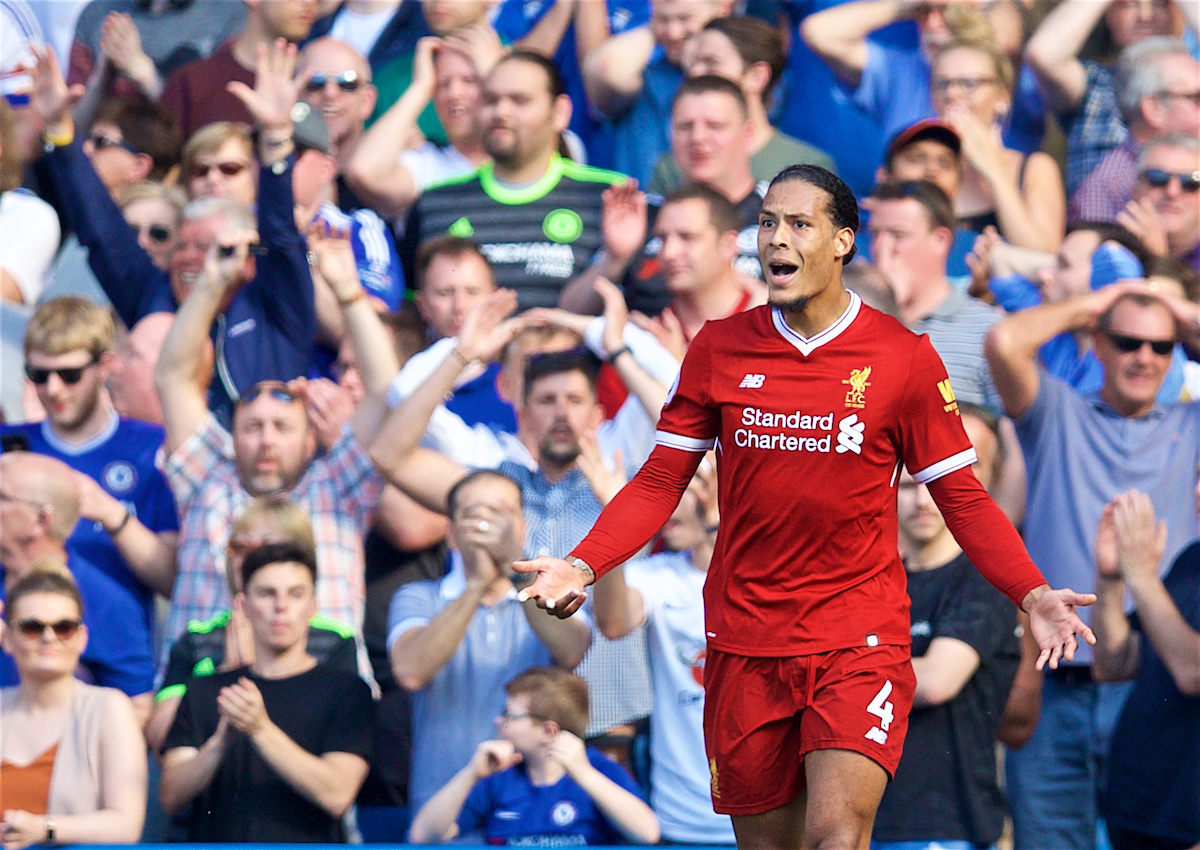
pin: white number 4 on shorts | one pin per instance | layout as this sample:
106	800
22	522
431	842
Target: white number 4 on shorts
881	708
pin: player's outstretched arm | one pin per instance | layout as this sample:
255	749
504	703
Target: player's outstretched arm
1055	624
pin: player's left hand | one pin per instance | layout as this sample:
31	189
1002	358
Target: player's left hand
242	703
558	587
1055	624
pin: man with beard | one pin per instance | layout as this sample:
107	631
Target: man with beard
534	214
816	400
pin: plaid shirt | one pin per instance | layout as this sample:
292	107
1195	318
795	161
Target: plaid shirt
1094	127
1106	191
339	491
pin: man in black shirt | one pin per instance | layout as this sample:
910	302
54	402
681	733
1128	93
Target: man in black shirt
276	751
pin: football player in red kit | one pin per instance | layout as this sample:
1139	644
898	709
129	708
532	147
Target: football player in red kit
813	401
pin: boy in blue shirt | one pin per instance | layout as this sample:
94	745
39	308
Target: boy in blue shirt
537	783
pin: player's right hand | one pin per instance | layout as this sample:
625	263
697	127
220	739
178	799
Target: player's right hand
558	587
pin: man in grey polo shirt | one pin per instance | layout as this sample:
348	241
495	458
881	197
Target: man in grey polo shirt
1080	452
454	642
912	231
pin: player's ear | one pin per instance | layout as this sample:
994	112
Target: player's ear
843	243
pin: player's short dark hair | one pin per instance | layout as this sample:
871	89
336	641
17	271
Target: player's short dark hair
706	83
453	247
554	79
755	41
554	695
1111	232
722	213
929	195
544	364
279	553
842	207
146	126
470	478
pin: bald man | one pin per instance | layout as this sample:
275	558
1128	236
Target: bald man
39	506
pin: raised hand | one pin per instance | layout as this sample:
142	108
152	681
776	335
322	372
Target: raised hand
329	407
1140	541
981	144
239	638
484	331
276	88
666	328
1106	546
479	43
50	98
605	482
623	220
1141	218
424	77
122	44
334	259
227	257
616	314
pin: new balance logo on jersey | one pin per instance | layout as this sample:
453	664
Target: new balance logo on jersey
752	381
850	435
877	735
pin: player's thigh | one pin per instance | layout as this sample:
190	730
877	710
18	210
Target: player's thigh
844	790
752	732
777	829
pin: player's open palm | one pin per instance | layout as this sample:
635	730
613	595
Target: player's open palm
1055	624
558	587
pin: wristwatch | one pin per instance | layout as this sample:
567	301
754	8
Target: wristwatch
588	573
50	830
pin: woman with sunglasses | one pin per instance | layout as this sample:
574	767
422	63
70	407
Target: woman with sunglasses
218	161
1021	195
72	757
154	210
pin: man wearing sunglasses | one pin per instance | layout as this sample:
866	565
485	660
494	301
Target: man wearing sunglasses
130	529
39	506
1165	210
1157	86
1081	450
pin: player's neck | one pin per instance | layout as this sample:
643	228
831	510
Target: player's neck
933	554
820	313
271	663
91	427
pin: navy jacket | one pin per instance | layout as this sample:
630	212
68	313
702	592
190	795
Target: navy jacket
270	327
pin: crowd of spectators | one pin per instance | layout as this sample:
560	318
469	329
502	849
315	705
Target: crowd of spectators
317	315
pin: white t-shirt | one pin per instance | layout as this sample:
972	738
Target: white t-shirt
431	164
673	592
362	31
29	234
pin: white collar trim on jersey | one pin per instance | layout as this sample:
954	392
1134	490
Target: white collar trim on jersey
808	346
59	444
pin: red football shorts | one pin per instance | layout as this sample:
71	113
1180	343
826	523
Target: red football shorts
763	715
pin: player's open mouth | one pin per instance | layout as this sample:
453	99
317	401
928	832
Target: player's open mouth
782	272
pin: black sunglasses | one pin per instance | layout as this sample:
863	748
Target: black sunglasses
63	629
68	375
1160	177
100	142
1130	344
347	81
157	232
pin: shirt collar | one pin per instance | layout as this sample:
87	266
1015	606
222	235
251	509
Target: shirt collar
806	345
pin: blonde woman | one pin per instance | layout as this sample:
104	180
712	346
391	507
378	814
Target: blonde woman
72	756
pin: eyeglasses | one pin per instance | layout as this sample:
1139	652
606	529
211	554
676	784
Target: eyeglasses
1160	177
279	392
1130	344
63	629
1193	96
229	169
347	81
69	375
41	506
969	85
100	142
507	715
157	232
